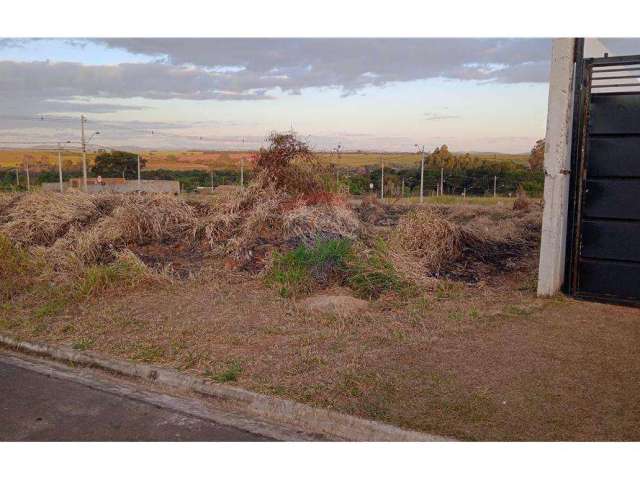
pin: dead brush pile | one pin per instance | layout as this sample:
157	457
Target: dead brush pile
41	218
287	204
264	217
463	242
74	230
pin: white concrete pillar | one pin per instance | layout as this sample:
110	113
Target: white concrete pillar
557	165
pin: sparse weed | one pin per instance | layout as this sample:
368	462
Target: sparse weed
83	344
229	374
148	353
17	269
123	272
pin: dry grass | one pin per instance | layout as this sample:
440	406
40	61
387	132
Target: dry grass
481	360
41	218
490	363
463	242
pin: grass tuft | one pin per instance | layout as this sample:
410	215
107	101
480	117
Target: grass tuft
126	271
229	374
300	270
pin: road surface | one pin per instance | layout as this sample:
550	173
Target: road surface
38	405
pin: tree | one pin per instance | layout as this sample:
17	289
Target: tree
118	164
536	157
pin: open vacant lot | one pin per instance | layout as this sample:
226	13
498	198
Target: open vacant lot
435	327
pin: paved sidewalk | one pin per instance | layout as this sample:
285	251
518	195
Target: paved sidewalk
36	404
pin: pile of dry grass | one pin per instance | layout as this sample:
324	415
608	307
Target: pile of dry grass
460	242
263	216
75	230
426	235
41	218
310	223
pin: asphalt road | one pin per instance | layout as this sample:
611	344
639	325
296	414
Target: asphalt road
35	406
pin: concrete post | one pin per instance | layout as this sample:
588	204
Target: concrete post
557	164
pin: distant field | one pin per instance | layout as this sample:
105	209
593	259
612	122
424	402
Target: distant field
190	160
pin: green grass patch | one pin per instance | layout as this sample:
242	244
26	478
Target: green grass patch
300	270
229	374
366	271
124	272
370	273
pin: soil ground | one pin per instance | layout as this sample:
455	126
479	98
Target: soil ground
483	361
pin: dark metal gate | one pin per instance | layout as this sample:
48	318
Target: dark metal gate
603	254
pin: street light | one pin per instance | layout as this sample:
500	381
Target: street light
421	173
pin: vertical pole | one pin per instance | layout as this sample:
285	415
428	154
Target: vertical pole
566	64
441	181
422	177
242	166
17	177
84	154
211	173
402	191
382	182
139	180
495	180
60	169
26	164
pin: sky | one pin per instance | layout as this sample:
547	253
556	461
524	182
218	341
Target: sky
474	94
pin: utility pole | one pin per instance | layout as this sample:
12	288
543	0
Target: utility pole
26	164
17	177
402	191
211	173
441	181
84	153
242	166
382	182
495	180
60	168
422	177
139	180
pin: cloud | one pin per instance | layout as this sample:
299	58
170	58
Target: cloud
432	116
254	69
350	64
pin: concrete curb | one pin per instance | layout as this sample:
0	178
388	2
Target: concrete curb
315	421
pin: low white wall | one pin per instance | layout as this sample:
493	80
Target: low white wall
158	186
